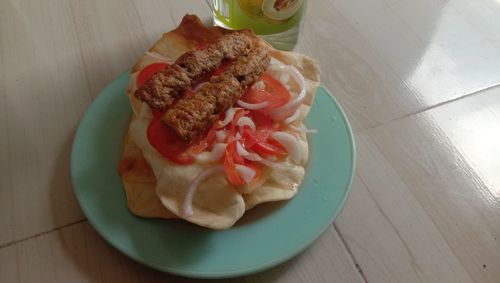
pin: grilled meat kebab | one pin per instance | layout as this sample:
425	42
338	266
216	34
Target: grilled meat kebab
193	115
165	86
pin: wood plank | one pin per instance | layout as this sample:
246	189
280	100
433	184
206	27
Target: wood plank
113	34
457	59
111	38
43	94
158	16
425	203
428	186
77	254
387	59
59	65
368	89
392	237
84	46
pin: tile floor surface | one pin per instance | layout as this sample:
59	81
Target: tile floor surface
419	81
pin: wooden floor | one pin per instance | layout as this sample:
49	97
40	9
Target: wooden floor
419	81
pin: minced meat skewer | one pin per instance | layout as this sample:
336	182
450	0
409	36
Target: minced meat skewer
193	115
160	91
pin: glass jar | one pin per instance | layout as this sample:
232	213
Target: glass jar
277	21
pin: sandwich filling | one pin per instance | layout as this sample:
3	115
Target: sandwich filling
221	127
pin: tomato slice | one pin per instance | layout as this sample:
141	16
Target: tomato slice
223	67
236	157
270	144
231	160
157	114
230	166
167	143
279	95
249	139
263	134
270	148
206	76
262	143
254	95
261	119
206	143
149	71
239	113
275	93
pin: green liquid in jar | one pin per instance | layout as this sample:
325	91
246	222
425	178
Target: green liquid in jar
277	21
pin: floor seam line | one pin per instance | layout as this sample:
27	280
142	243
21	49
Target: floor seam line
42	233
429	108
351	255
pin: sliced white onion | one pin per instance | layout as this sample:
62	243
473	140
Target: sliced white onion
284	77
238	136
274	68
292	118
245	172
272	158
252	106
158	56
187	207
229	117
252	156
213	155
291	143
241	150
303	129
246	121
288	109
221	135
259	85
275	63
145	112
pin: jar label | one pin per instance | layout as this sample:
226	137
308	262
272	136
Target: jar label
263	16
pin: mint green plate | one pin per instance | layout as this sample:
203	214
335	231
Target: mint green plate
267	235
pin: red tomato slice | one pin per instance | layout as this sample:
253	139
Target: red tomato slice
254	95
263	134
206	143
260	136
271	149
249	140
231	160
230	166
261	119
262	143
167	143
275	93
223	67
149	71
206	77
157	114
240	113
236	157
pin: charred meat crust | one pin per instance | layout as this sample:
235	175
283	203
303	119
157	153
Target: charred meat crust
160	91
193	115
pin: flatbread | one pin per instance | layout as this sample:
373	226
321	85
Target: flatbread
140	183
156	187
